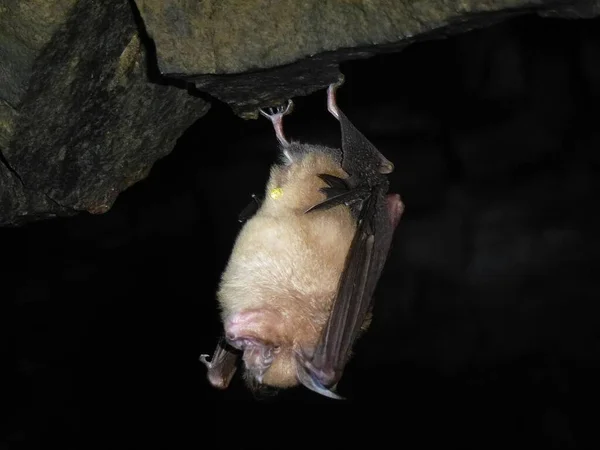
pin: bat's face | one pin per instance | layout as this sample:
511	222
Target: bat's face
277	290
269	345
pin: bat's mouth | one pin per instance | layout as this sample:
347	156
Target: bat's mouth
258	356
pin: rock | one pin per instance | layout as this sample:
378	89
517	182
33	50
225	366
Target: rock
578	9
93	93
278	50
80	120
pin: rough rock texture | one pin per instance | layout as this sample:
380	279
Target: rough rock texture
79	119
198	40
85	111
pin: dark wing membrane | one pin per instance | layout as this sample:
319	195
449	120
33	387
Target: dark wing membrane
364	264
338	192
359	154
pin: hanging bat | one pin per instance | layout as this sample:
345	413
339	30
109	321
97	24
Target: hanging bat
297	290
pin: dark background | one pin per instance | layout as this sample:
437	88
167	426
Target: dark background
486	321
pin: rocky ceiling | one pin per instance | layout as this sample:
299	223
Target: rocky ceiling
92	94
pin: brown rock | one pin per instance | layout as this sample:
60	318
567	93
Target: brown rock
79	119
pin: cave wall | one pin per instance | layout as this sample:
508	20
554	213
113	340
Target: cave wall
93	93
487	315
80	118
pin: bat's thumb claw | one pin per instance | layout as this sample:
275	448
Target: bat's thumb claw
204	359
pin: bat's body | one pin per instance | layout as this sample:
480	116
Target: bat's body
298	286
282	276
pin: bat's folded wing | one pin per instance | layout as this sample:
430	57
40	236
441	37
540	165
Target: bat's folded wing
321	370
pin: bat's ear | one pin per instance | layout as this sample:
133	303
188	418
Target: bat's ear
310	381
353	141
312	378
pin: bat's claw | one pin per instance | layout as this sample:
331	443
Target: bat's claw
275	115
281	110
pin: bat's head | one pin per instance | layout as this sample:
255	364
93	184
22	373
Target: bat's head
269	346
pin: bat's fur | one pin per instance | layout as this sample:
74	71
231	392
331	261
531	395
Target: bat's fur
282	276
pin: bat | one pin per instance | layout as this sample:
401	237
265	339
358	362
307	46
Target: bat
298	288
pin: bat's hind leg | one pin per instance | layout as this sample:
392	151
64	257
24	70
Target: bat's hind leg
275	115
332	106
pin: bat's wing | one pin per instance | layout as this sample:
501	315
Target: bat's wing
377	216
321	370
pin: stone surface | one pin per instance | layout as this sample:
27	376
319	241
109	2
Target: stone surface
290	48
91	92
578	9
79	119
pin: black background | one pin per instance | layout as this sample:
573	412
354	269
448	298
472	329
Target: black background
486	321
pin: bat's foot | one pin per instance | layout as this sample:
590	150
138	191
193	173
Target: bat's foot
332	106
275	115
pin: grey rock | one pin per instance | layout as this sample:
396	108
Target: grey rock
86	108
251	53
578	9
80	121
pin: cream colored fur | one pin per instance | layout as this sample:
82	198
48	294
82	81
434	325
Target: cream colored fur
285	265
